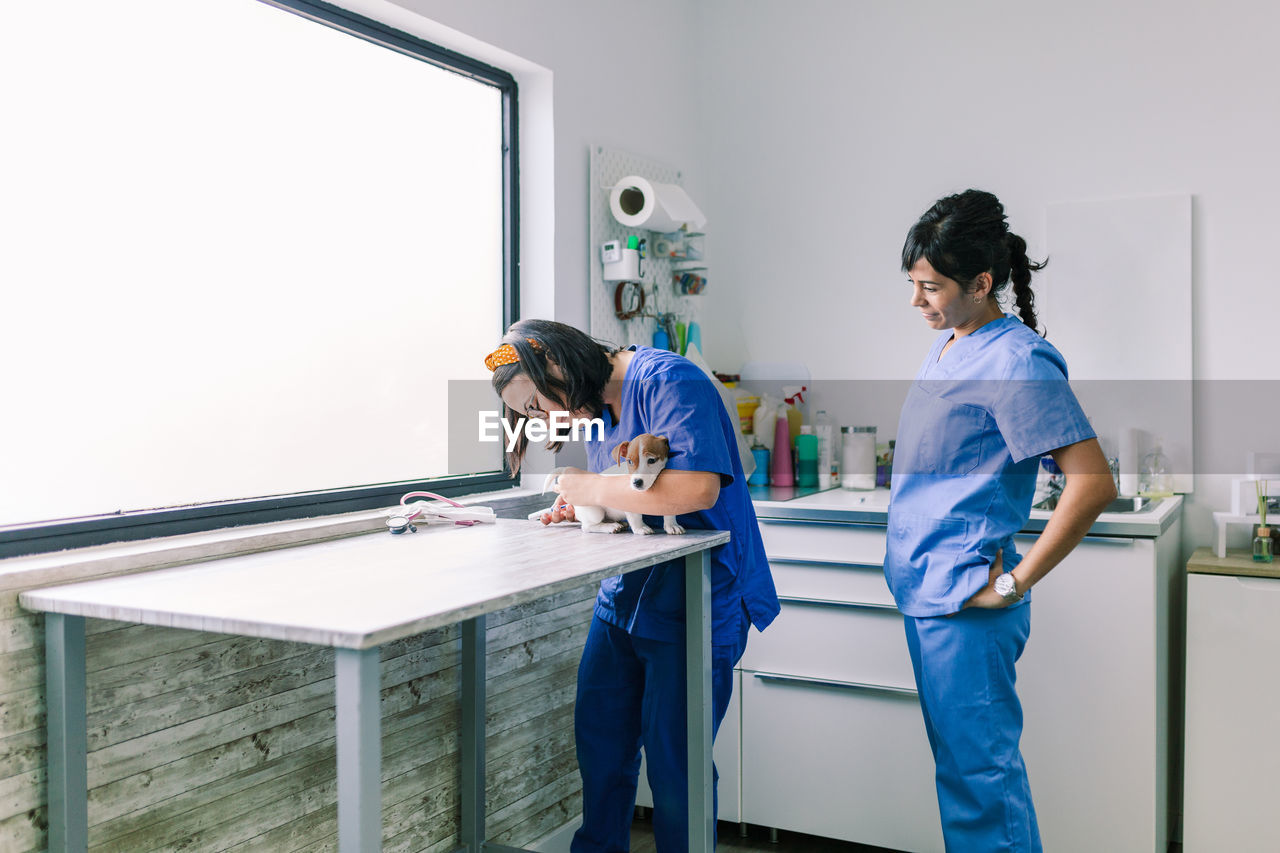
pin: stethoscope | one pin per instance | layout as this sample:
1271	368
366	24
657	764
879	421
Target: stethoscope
402	520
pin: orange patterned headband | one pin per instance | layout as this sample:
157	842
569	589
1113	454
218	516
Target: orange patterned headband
506	354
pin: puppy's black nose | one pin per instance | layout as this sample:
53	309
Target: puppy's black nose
637	482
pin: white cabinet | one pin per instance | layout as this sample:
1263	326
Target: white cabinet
1097	683
1233	693
833	743
837	760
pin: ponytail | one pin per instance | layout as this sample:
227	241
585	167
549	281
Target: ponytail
1020	269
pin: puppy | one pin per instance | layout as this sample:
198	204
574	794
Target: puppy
641	460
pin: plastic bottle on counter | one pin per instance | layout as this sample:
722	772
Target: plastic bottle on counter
884	463
806	458
858	457
760	476
762	421
780	473
824	428
793	401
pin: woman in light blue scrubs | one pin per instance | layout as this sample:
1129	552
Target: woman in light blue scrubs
990	399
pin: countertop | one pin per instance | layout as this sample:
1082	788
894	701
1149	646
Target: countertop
872	507
1237	563
367	590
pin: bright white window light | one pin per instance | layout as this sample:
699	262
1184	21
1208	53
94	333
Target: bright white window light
241	254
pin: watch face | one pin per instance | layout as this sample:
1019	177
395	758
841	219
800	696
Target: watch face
1005	584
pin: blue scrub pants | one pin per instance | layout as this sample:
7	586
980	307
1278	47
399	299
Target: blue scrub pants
964	667
632	691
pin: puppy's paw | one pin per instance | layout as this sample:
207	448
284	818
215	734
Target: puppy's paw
604	527
673	528
642	529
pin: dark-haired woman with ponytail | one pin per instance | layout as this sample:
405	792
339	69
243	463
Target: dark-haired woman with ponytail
989	401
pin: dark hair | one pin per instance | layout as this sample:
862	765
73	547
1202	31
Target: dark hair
584	365
965	235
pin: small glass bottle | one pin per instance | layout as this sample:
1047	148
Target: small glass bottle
1153	475
1262	545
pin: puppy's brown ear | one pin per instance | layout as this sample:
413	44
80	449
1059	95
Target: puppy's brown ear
634	451
664	444
619	450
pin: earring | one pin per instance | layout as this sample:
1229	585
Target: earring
977	300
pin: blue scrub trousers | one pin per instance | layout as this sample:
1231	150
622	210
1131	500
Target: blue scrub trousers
964	667
632	691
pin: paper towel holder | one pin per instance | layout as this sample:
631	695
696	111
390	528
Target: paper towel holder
637	202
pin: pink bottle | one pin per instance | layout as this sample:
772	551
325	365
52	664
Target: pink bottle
780	473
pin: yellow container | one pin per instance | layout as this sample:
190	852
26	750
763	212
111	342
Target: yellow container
746	409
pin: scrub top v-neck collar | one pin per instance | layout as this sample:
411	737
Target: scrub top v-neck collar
945	362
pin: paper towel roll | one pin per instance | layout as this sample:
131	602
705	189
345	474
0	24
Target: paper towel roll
638	203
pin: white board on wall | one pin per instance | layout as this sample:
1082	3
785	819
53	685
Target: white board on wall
1116	301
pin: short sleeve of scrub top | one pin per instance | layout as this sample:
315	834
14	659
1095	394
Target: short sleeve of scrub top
1034	407
667	395
682	405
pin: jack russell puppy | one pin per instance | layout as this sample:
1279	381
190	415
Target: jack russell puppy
641	460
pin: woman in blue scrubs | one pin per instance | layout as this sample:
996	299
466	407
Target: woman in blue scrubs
631	680
990	399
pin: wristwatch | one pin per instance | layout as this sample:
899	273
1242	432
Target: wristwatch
1008	588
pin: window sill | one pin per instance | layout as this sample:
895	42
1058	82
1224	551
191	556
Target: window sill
166	552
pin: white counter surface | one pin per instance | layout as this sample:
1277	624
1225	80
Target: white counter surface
872	507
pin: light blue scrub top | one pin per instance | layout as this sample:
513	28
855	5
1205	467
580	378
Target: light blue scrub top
666	394
973	428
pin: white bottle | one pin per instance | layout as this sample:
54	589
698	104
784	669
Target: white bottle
858	458
825	430
762	421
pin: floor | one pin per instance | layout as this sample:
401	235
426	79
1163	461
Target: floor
729	839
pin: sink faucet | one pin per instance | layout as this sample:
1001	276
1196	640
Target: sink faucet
1114	464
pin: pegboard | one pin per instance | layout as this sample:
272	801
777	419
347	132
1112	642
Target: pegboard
607	168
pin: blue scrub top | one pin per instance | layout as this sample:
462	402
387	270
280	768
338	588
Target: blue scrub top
973	428
667	395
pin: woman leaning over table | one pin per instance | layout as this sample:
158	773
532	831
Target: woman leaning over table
990	399
631	680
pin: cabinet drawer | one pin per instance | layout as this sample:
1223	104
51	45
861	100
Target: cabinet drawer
823	541
832	640
859	584
837	761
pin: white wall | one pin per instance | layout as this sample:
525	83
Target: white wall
854	117
622	77
814	132
590	72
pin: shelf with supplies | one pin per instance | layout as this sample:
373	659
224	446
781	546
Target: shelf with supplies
680	246
689	277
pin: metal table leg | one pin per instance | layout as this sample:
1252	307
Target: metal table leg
359	723
68	742
472	758
697	592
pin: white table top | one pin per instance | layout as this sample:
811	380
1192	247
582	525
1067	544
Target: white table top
360	592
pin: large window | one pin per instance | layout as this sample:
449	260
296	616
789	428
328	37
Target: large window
246	246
